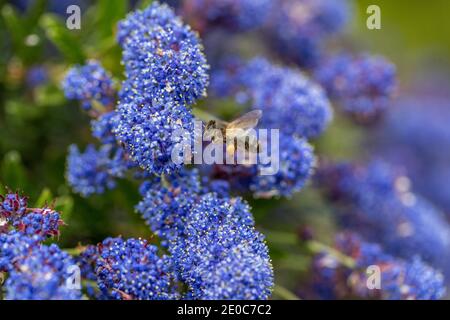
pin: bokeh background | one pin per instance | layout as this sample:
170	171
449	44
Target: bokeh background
37	124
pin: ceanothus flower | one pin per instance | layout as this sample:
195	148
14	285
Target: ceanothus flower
415	134
132	269
222	256
15	244
378	202
284	175
149	130
227	79
39	222
166	204
166	70
363	85
42	275
35	271
94	171
299	28
12	206
400	279
103	126
43	222
289	100
235	15
89	83
163	57
296	162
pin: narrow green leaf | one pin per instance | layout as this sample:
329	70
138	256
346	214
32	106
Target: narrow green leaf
64	205
45	197
63	38
284	294
109	12
15	26
13	172
145	3
34	12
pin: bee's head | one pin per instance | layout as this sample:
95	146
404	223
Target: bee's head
211	124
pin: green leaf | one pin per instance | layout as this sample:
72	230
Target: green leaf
13	172
46	197
34	12
48	95
63	38
145	3
109	12
15	26
64	205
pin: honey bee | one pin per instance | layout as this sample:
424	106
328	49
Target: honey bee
238	129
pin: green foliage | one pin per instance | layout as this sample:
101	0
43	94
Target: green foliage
63	38
13	171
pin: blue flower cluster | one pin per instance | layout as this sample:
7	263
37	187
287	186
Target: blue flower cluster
148	131
103	126
222	256
296	163
39	274
289	100
90	84
399	279
12	208
44	222
132	269
94	171
234	15
227	79
416	135
86	261
166	71
163	57
166	204
363	85
35	271
15	214
216	250
299	28
379	203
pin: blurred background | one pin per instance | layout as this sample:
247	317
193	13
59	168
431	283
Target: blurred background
37	123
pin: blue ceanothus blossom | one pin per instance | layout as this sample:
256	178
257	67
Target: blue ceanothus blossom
401	279
165	71
90	84
35	271
363	85
233	15
299	29
216	250
379	203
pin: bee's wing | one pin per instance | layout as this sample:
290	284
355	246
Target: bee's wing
247	121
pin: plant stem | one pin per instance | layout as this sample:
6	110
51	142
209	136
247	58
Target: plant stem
313	246
318	247
284	293
75	251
